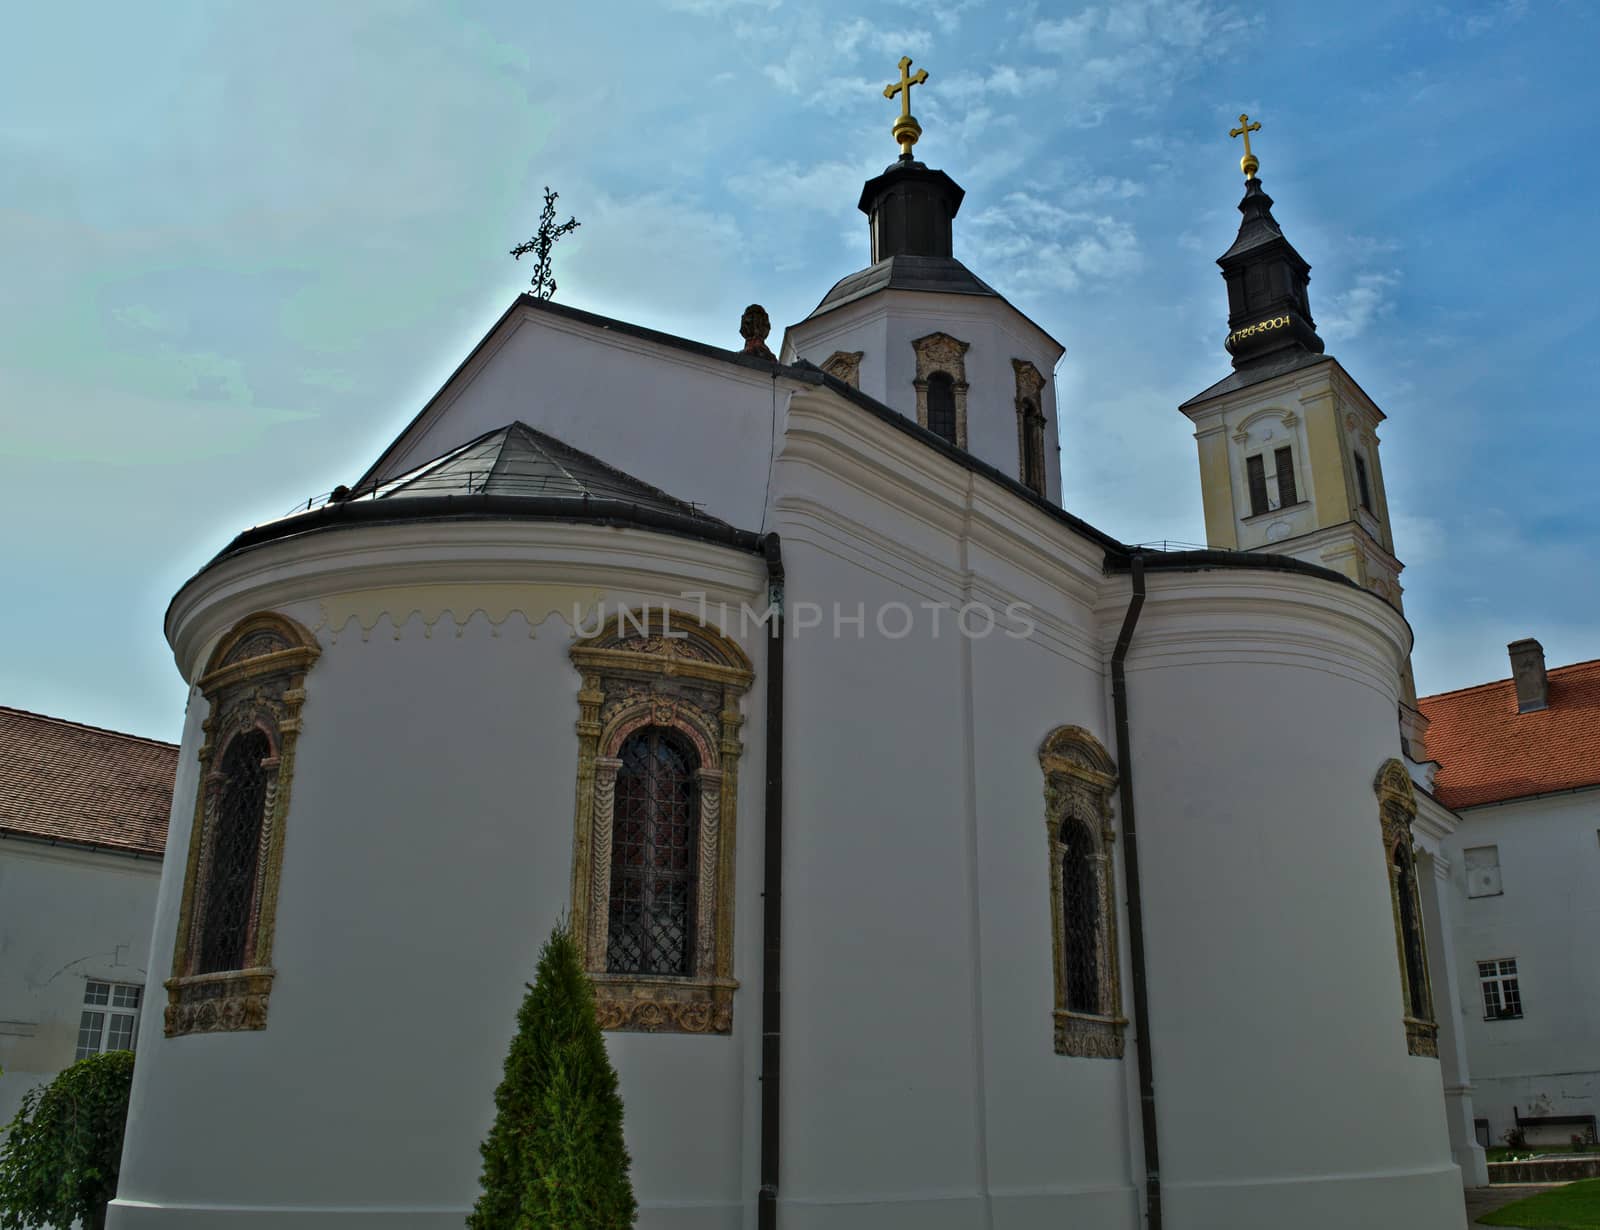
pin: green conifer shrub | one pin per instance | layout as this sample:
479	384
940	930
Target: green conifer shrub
63	1150
555	1157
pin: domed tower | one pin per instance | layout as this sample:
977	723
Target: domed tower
1288	441
919	331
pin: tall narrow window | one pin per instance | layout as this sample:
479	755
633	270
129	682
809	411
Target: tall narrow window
231	883
1362	489
1080	908
1256	474
941	386
1078	781
658	787
1284	459
254	687
653	842
942	406
1397	808
1030	425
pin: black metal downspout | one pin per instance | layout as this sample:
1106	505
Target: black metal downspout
1130	863
772	898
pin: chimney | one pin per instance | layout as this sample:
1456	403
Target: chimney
1527	670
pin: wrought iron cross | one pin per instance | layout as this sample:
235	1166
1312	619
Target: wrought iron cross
906	130
1249	164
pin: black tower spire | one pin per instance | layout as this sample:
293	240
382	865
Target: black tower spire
910	209
1269	310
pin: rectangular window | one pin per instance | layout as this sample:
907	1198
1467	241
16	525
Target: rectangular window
110	1020
1286	492
1483	871
1256	471
1502	997
1361	482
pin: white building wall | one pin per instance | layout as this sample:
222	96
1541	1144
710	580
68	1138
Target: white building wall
66	916
427	854
1261	707
1549	904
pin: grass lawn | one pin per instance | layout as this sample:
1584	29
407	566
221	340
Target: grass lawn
1573	1207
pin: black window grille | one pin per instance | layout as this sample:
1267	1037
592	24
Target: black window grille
1283	458
653	848
1411	937
942	406
1364	490
231	886
1256	472
1080	910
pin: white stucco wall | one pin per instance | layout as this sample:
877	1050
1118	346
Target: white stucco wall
1549	905
1262	706
427	854
66	916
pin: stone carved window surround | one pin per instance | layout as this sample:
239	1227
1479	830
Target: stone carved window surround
254	682
1030	422
661	669
939	352
1079	778
846	365
1397	809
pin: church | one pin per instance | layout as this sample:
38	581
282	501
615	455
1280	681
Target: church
938	858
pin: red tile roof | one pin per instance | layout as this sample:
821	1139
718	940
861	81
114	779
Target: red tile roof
1488	752
82	785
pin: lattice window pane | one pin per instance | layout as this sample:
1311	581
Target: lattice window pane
91	1026
230	888
96	992
119	1037
1080	910
125	996
942	406
653	857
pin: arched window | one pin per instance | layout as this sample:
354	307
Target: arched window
231	881
941	385
1030	425
1078	780
1080	911
654	838
254	688
658	788
942	406
1415	962
1397	808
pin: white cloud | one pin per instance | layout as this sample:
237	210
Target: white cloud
1487	20
1037	245
1350	312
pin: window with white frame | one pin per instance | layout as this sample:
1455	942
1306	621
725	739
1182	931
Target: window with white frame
110	1020
1502	998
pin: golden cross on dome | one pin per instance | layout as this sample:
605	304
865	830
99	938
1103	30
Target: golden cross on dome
906	129
1249	164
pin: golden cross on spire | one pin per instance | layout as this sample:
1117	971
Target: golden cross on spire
1249	164
906	129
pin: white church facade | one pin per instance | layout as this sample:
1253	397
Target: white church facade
939	859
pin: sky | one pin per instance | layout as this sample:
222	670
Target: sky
240	244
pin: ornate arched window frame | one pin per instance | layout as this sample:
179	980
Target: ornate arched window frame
660	668
1030	424
846	365
939	352
1079	778
254	681
1397	809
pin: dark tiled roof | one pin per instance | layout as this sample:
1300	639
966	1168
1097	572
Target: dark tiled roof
517	460
1488	752
1279	364
81	785
942	275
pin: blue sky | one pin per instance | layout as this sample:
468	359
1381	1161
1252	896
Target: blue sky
242	243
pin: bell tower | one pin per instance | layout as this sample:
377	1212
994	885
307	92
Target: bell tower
1288	441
